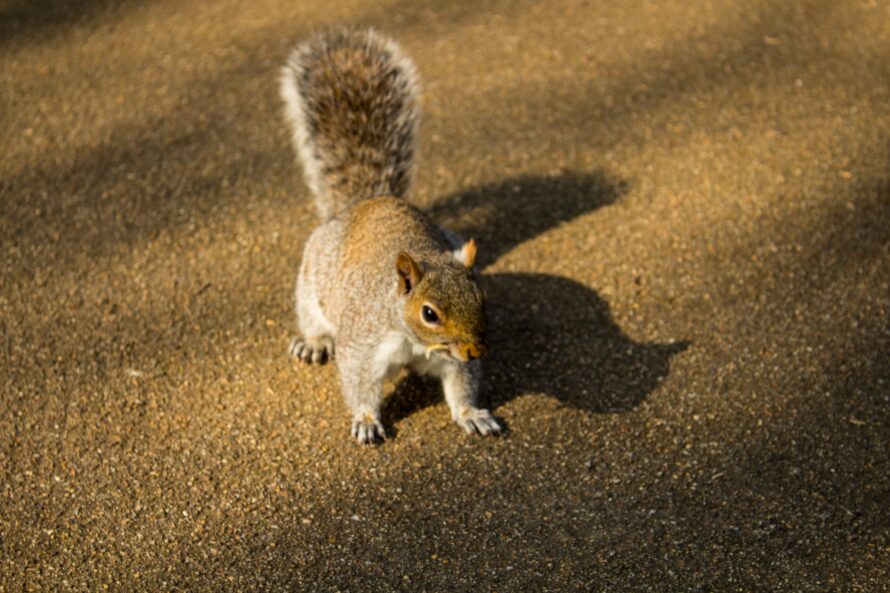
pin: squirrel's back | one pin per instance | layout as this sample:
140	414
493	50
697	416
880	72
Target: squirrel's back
351	100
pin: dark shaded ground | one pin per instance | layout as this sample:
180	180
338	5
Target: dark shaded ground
683	212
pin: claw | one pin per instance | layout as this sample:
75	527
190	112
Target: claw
368	430
312	350
479	421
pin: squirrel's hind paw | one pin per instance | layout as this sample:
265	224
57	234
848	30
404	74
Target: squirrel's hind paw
312	350
479	421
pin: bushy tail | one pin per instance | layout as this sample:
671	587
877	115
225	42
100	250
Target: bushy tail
351	100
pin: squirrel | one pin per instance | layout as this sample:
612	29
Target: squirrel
379	282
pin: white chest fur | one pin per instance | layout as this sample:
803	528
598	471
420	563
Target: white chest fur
397	350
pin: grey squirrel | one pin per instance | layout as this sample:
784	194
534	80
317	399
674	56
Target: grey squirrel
379	282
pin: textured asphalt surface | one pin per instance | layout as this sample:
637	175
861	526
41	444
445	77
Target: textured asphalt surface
683	215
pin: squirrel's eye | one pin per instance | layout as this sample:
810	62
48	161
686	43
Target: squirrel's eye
429	315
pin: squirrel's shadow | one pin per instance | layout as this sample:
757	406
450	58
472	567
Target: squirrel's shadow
554	336
548	335
502	215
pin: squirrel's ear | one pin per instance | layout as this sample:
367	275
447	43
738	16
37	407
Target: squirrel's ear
466	254
409	272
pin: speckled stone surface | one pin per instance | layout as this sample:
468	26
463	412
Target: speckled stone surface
683	215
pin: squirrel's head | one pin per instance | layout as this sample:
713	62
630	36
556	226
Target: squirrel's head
444	305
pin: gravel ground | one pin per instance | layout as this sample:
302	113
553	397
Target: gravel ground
683	213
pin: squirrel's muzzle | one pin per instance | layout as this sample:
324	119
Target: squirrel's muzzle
470	351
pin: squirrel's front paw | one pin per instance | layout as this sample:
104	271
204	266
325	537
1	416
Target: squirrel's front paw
478	421
312	350
367	429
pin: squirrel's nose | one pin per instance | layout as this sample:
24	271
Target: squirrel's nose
471	351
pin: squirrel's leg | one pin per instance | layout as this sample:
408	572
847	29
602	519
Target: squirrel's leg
316	345
362	386
460	382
